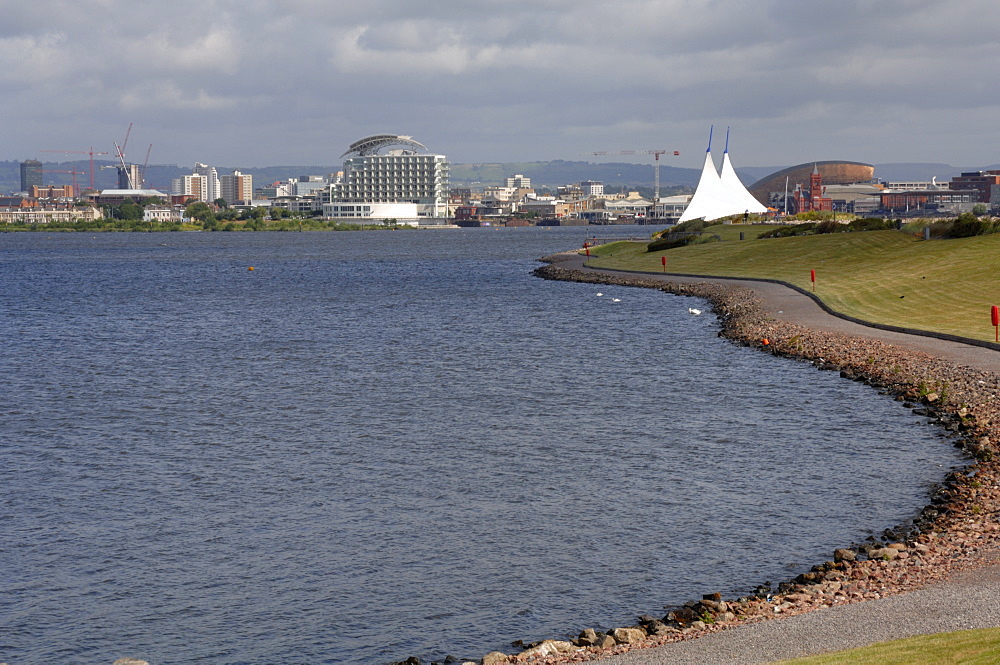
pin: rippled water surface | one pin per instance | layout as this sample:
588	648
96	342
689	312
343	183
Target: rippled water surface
384	444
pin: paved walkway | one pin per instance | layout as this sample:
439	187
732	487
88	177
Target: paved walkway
966	600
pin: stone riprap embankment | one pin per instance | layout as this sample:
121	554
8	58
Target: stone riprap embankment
951	533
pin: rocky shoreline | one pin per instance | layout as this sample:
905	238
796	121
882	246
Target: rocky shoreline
951	533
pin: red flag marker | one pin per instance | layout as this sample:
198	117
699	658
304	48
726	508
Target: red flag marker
663	260
995	317
812	277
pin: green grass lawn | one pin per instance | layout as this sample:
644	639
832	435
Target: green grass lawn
880	276
967	647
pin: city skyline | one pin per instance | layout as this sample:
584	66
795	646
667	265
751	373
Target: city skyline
257	83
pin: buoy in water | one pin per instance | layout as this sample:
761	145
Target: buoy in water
765	341
250	268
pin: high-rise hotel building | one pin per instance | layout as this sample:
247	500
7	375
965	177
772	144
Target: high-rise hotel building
407	175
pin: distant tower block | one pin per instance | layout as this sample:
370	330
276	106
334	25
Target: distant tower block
31	174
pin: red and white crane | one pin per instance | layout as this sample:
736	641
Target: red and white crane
84	152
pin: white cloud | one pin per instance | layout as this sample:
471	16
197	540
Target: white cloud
217	50
168	96
502	79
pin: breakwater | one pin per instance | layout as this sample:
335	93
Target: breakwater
958	524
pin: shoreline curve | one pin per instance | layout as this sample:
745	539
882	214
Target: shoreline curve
954	543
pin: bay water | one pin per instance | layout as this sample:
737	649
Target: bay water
374	445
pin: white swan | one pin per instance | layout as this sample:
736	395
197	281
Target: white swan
696	312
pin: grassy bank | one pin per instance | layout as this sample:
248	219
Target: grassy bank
880	276
965	647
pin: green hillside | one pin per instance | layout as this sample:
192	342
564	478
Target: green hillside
885	277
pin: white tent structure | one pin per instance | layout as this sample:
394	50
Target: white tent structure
717	196
737	190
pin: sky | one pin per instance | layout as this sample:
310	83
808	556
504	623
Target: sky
247	83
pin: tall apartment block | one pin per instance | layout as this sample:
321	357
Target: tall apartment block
236	188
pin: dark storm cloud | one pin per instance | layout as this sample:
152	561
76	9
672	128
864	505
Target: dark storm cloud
296	81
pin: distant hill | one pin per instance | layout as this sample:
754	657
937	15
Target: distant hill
542	174
552	174
560	172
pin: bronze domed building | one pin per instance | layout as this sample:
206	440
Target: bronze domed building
771	189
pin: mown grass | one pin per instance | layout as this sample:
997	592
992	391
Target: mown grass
967	647
880	276
729	232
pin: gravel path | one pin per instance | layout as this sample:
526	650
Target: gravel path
966	600
943	577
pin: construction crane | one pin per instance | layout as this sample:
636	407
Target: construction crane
120	152
84	152
76	190
142	173
656	164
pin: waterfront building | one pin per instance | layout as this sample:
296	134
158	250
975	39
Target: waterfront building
236	188
31	174
162	214
812	199
118	196
774	189
913	184
403	175
193	185
59	212
400	213
983	182
297	204
51	191
213	189
929	202
670	208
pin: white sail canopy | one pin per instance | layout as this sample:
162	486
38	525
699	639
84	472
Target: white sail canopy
720	196
737	189
711	200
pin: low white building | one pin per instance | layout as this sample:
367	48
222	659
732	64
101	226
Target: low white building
403	213
298	204
671	208
47	214
638	207
161	214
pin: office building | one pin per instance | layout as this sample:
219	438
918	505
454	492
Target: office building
31	174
